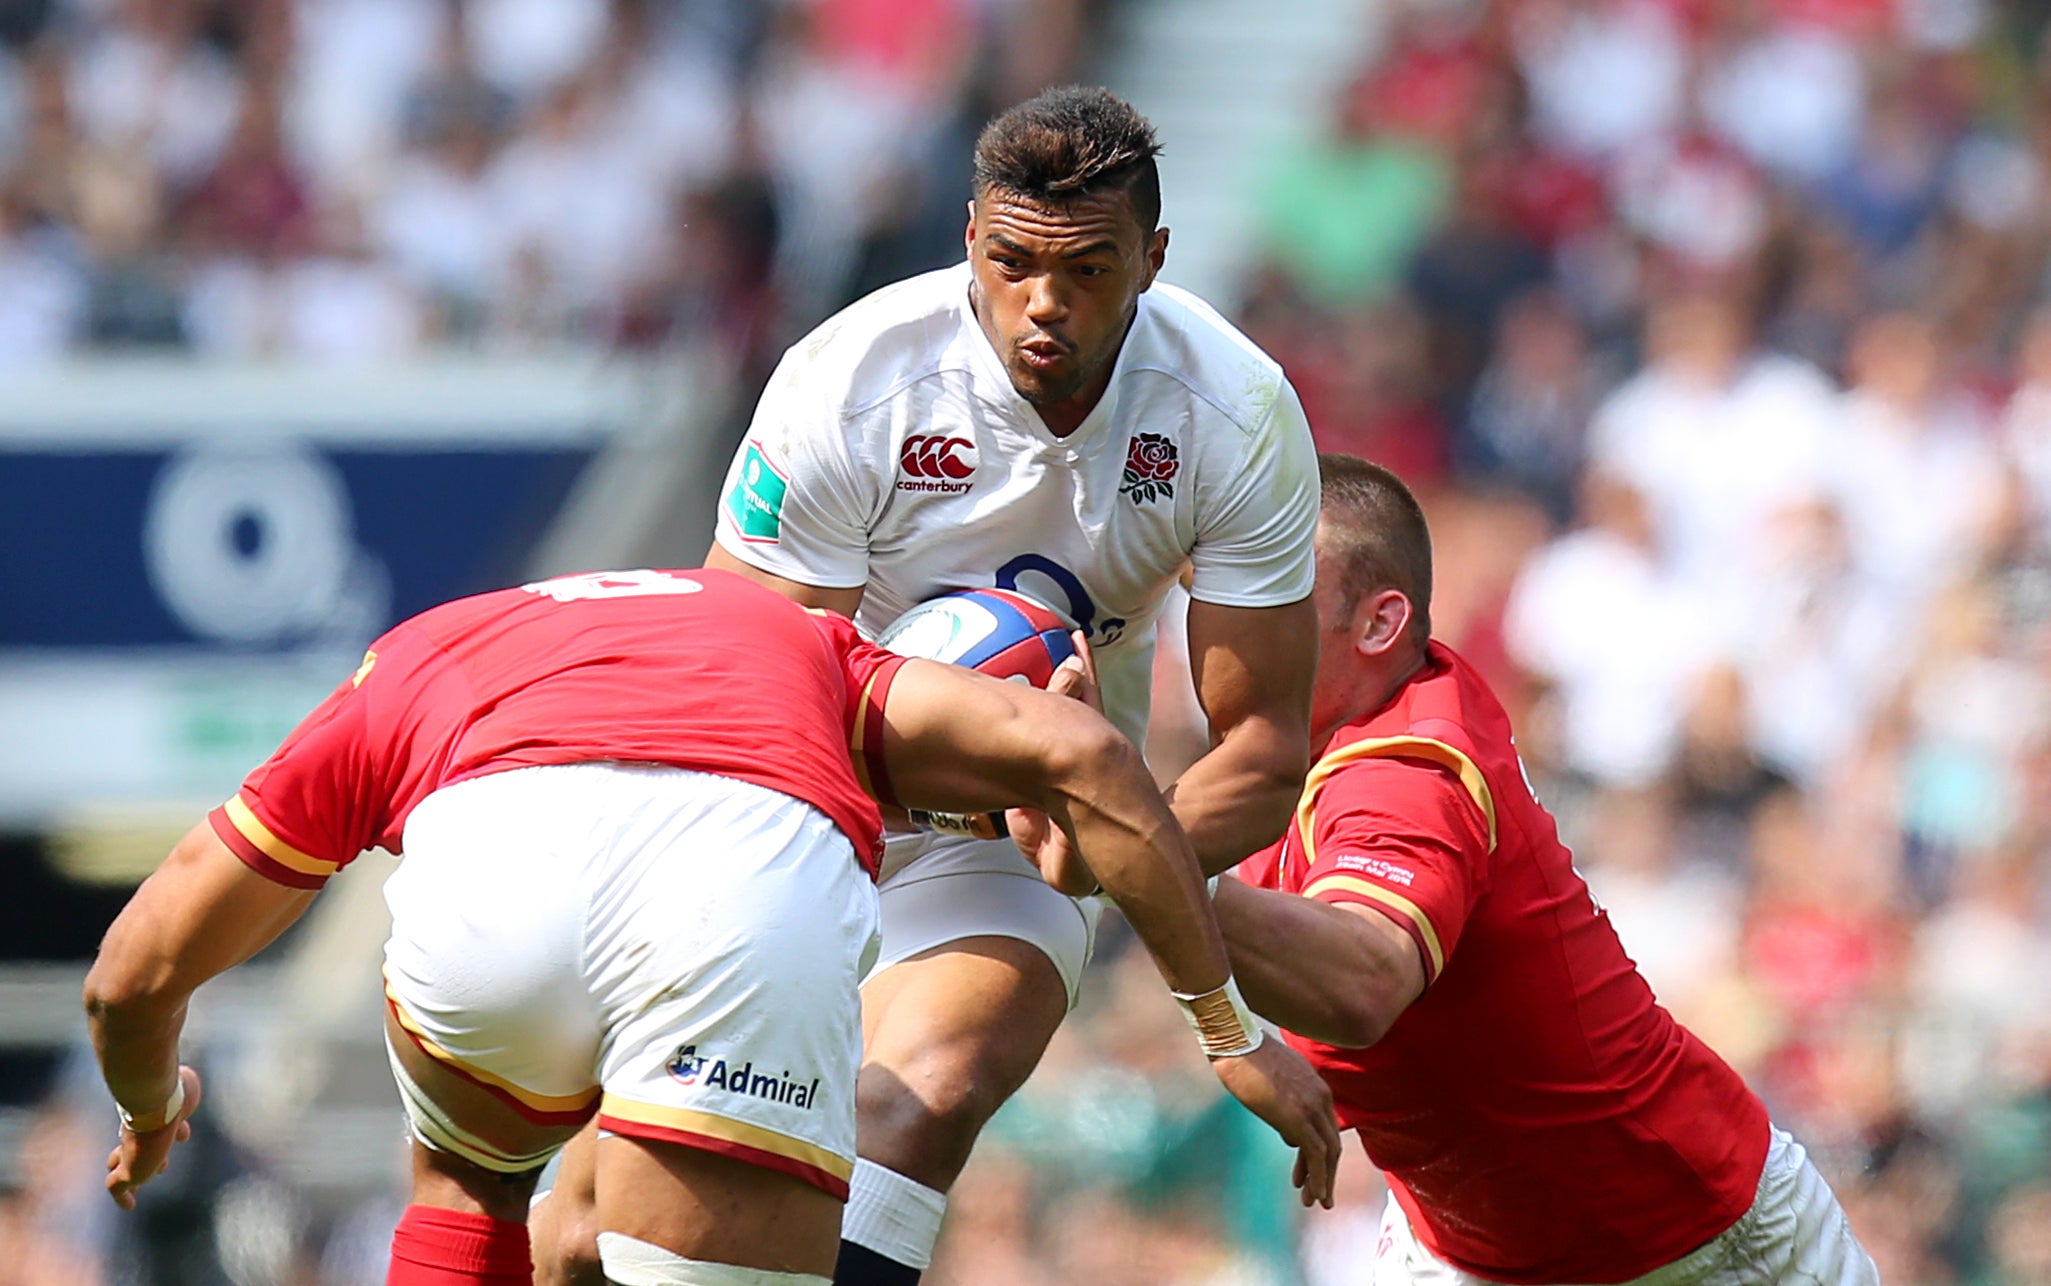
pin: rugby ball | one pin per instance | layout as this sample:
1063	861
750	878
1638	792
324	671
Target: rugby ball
999	632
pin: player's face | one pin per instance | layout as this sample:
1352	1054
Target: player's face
1055	289
1337	660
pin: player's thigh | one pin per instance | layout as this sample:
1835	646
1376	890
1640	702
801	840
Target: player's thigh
727	964
493	1034
948	1037
961	889
704	1206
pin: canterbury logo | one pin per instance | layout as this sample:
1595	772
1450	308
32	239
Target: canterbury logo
937	457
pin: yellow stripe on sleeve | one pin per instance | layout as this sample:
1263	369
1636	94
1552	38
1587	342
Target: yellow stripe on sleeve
253	830
1437	752
1435	954
859	741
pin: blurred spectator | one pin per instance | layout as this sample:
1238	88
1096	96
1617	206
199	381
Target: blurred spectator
1604	75
1786	93
41	291
1616	636
1913	466
1718	436
1676	913
1531	403
1817	640
1344	214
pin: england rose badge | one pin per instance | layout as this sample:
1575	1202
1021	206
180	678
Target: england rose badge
1151	463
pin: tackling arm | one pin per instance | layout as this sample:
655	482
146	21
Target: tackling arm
1337	974
1253	668
202	912
962	741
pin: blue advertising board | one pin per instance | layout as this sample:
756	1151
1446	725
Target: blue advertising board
190	558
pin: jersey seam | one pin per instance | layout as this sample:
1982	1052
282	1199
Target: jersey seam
1246	426
939	367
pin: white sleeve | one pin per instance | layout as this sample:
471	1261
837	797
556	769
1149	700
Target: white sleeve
1257	524
793	502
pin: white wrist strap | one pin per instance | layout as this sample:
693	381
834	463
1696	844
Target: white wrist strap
164	1116
1224	1026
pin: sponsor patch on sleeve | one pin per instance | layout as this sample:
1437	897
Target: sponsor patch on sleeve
1376	867
755	501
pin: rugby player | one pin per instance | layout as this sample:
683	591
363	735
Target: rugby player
1045	417
1424	938
638	887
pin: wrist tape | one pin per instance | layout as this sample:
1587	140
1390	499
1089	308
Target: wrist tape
147	1122
1224	1026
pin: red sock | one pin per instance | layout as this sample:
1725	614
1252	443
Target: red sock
435	1247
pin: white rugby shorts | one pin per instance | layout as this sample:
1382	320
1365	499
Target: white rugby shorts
681	949
1795	1232
941	889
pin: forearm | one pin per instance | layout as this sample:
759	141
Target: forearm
1333	975
198	914
137	1046
1147	869
1238	799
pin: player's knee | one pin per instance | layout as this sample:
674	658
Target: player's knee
926	1111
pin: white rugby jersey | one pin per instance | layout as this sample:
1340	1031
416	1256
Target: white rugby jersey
890	450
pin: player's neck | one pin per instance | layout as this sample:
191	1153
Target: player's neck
1065	417
1376	686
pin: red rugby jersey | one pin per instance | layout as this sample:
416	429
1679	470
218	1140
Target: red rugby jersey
1539	1117
702	670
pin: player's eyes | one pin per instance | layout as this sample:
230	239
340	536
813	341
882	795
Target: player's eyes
1091	270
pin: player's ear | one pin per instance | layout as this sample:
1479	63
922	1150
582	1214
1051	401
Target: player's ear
968	236
1383	620
1157	254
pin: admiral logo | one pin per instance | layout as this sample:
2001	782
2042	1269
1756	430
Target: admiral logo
931	462
689	1067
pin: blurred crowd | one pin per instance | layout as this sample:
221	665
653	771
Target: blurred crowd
354	180
1716	333
1720	331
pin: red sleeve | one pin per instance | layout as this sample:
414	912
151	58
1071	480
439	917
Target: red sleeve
309	809
1407	839
869	671
1263	870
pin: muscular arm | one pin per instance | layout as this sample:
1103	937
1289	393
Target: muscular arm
1253	668
963	742
1339	975
844	601
202	912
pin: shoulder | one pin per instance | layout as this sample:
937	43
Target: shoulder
1182	341
880	345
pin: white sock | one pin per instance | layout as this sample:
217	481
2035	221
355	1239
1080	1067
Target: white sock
896	1217
632	1262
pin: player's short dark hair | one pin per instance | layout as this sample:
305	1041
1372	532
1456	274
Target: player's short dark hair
1070	142
1375	528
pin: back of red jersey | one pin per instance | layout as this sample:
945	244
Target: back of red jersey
699	670
1540	1117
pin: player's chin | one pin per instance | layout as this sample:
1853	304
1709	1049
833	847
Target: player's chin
1044	387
